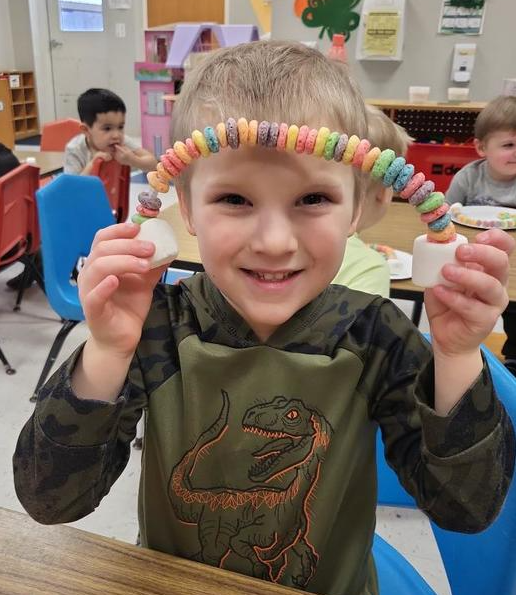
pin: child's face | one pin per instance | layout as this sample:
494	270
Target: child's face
500	151
106	132
271	227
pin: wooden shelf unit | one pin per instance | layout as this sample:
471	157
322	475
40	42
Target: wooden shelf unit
24	107
433	121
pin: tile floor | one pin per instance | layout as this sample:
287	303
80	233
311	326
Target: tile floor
26	337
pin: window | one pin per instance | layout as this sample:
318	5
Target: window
81	15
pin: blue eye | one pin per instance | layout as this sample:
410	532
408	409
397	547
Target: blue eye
314	199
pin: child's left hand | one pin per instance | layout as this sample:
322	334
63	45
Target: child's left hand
461	317
124	155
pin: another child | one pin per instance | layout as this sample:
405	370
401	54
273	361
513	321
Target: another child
364	268
102	115
265	385
491	180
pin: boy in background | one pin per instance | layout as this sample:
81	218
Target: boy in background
364	268
102	115
264	384
491	180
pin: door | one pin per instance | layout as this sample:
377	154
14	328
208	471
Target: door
79	53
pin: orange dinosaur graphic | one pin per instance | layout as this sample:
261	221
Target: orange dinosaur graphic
266	524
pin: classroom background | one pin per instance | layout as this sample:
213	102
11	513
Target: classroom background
46	68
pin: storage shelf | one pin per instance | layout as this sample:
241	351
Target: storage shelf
22	105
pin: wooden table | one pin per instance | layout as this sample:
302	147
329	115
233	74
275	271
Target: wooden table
49	162
398	229
59	560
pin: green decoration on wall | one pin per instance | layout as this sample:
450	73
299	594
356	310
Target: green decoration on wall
333	16
473	4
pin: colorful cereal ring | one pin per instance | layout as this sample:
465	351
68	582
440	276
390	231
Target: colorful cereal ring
433	215
253	132
387	156
292	134
200	143
349	153
156	183
178	163
393	170
329	147
320	141
282	137
434	201
403	178
163	173
310	141
440	223
272	138
301	138
360	152
341	147
263	133
145	212
220	129
243	131
193	151
413	185
448	234
211	139
139	219
370	159
149	200
232	133
422	193
182	152
169	166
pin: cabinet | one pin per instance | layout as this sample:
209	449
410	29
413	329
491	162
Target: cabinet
6	121
24	107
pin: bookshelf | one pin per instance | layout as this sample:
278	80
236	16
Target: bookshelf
24	107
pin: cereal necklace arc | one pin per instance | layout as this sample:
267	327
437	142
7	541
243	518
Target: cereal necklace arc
383	166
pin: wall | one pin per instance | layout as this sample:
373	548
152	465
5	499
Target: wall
20	27
6	38
241	12
427	56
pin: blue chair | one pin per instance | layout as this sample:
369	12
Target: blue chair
475	564
71	210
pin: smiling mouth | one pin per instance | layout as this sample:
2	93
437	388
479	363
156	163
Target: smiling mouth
271	277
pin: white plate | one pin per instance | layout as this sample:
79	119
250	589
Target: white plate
406	270
483	216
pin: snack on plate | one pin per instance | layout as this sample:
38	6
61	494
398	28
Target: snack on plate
395	265
383	166
504	219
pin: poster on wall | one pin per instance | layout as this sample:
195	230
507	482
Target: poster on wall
380	36
464	17
331	16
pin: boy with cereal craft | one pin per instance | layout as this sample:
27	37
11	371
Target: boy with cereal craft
264	384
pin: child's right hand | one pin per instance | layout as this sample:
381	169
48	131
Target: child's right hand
115	288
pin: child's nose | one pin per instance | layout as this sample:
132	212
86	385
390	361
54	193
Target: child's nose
274	235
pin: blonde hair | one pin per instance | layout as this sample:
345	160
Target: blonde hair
498	114
269	80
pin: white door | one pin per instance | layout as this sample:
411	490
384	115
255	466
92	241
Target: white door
79	56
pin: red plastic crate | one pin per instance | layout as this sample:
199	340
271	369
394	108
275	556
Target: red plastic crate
440	162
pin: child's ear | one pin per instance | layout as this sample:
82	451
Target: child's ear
356	217
480	147
384	195
84	128
186	214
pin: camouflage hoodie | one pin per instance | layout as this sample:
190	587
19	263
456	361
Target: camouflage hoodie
260	458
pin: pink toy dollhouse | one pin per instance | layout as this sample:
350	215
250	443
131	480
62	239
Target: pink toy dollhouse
162	73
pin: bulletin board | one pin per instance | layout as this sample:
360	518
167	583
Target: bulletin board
165	12
381	31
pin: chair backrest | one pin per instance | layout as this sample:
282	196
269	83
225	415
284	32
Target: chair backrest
440	162
19	230
480	563
55	135
116	180
71	211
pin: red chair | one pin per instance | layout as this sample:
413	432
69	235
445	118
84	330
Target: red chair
19	230
55	135
440	162
116	180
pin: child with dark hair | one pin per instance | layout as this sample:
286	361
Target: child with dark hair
102	115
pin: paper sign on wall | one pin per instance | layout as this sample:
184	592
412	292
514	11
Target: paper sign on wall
464	17
381	32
